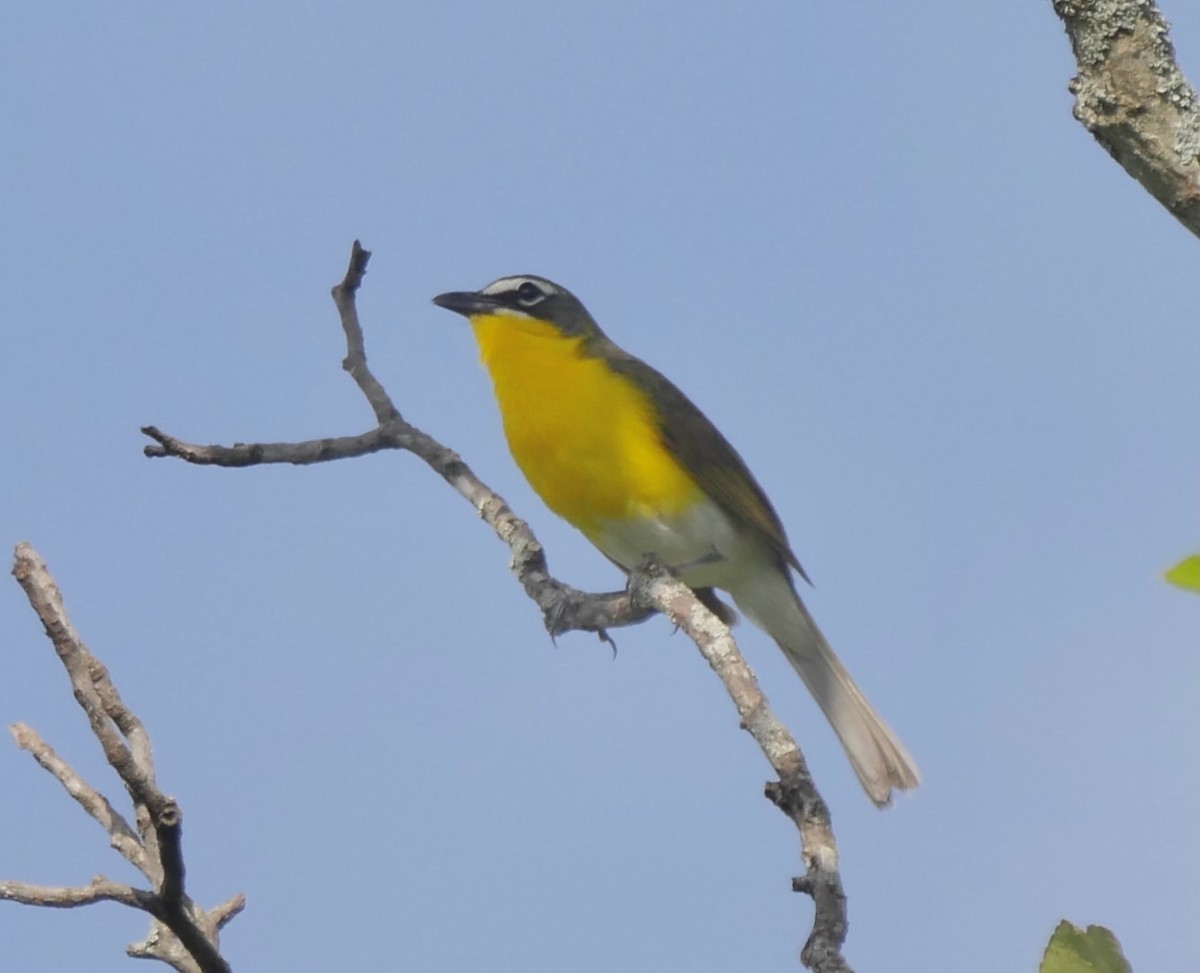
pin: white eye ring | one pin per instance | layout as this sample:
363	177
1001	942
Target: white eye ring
529	293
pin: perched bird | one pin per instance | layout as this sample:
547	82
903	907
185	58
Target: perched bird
618	451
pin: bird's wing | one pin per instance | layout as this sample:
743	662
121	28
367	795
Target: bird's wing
707	455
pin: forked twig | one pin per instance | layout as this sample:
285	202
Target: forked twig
182	935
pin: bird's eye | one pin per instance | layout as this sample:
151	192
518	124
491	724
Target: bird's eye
529	293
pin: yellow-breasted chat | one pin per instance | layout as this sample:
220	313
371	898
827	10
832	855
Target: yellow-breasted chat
618	451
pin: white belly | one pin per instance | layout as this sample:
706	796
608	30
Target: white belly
700	545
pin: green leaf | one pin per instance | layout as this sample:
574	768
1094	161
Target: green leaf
1186	574
1075	950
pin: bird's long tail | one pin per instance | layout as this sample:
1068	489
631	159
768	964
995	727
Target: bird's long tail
878	757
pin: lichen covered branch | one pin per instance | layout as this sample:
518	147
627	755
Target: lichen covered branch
1131	95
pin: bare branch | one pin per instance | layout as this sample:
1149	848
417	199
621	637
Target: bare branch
1131	95
125	719
183	935
162	946
564	608
567	609
123	837
100	889
228	910
254	454
355	361
169	831
43	594
795	793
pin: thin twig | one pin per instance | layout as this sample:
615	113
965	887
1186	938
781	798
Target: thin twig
355	361
123	838
256	454
100	889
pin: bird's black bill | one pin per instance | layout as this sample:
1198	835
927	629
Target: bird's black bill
466	303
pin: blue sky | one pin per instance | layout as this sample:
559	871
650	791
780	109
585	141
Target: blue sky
956	344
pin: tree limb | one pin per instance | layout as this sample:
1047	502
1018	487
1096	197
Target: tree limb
1131	95
122	837
100	889
183	935
795	793
565	609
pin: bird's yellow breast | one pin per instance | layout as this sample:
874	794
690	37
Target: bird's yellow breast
584	436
